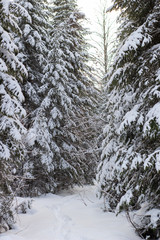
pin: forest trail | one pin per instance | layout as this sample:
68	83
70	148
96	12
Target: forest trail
73	215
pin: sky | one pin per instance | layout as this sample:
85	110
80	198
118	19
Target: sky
91	8
93	11
88	7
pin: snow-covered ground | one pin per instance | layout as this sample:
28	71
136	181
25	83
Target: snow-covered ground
72	215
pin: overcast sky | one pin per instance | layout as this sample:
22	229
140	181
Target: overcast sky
88	7
91	7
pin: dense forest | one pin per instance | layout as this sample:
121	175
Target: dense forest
58	128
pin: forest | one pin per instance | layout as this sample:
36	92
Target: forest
64	123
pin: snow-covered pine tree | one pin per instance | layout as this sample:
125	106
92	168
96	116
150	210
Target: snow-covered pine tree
128	174
60	150
76	76
12	72
33	45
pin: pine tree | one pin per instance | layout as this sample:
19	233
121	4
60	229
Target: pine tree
73	70
128	174
12	72
33	45
59	150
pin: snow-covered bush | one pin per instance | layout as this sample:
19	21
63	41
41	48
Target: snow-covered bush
10	206
21	205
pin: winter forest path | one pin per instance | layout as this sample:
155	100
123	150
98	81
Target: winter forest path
72	215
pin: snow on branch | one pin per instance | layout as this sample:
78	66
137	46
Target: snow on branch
130	117
152	115
138	38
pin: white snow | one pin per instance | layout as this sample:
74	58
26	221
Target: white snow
129	118
31	41
56	75
27	30
137	38
158	75
22	10
54	113
74	215
155	156
30	137
3	66
126	198
154	213
153	114
136	160
4	151
28	5
5	4
6	42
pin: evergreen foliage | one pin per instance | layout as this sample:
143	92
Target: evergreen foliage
128	174
33	47
33	51
12	72
72	72
57	150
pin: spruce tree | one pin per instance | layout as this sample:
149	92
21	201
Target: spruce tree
33	45
73	72
59	150
12	72
128	174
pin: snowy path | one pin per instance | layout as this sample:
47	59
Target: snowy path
70	216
